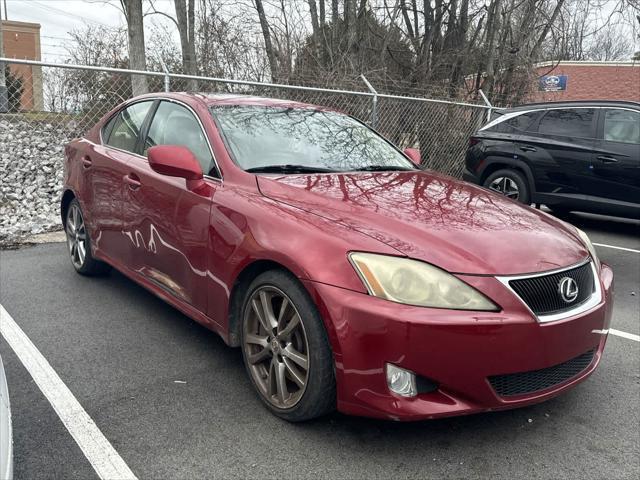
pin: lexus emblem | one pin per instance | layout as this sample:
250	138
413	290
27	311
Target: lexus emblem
568	289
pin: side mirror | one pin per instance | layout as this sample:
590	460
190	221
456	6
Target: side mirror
175	161
414	155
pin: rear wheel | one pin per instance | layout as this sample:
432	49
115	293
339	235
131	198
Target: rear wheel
79	243
509	183
285	348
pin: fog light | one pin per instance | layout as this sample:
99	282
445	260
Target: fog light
401	381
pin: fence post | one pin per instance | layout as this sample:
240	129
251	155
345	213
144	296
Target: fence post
167	79
4	100
374	103
488	103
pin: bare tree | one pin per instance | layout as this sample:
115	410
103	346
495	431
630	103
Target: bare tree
313	13
424	47
186	21
493	27
335	17
91	92
162	50
137	55
98	46
546	29
266	35
610	44
227	44
350	21
322	13
581	34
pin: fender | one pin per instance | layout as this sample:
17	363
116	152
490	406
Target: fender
67	194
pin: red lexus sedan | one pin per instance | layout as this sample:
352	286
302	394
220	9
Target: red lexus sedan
350	278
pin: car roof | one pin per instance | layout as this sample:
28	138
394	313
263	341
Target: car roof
235	99
572	104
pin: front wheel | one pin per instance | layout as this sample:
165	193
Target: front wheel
509	183
285	348
79	243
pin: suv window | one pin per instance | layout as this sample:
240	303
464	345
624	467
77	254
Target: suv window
174	124
622	126
575	122
518	123
124	128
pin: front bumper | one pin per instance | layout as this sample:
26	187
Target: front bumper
457	350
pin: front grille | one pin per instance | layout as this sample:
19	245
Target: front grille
542	293
529	382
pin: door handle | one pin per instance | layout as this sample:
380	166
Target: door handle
607	159
86	162
132	180
527	148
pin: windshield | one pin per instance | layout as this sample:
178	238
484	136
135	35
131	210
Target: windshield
295	140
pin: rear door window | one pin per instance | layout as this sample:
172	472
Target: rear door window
622	126
123	130
512	122
570	122
517	124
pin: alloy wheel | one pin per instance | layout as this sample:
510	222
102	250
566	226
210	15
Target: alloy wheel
506	186
276	347
76	236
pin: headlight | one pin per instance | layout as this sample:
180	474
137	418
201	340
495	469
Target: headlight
592	251
411	282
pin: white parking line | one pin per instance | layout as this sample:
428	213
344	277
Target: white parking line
616	247
630	336
100	453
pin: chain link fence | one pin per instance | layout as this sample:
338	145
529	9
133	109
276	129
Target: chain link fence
48	104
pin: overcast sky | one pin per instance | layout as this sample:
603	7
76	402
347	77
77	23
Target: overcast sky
58	17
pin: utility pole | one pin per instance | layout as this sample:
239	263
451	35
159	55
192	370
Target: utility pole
4	101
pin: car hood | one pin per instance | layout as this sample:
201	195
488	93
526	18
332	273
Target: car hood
457	226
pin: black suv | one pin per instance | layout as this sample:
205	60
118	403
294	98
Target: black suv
581	156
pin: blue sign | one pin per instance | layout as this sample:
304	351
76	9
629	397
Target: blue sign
552	83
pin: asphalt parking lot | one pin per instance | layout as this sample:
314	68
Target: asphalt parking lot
175	402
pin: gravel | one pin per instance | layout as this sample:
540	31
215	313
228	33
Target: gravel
31	173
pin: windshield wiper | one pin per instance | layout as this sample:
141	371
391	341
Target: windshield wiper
384	168
288	168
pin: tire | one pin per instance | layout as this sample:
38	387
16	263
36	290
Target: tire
510	183
79	243
274	356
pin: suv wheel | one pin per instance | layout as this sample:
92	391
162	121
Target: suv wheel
509	183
